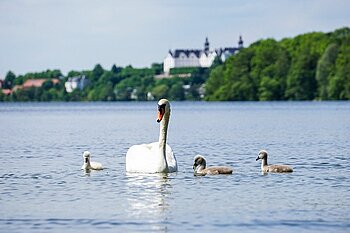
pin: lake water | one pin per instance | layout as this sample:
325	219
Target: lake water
42	188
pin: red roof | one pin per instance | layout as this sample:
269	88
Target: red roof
6	91
37	82
33	83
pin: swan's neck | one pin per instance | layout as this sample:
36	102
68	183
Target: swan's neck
263	163
162	140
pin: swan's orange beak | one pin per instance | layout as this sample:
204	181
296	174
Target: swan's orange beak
160	115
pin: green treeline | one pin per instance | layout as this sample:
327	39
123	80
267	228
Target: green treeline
313	66
116	84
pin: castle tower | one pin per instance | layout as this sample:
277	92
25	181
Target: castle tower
240	42
206	45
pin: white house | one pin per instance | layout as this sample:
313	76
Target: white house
198	57
76	82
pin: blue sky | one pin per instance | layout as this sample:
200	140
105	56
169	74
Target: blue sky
36	35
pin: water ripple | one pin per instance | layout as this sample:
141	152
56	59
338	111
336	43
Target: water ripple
42	188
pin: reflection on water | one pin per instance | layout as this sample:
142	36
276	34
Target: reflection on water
147	196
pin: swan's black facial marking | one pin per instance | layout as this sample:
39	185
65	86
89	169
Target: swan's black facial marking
161	107
86	160
161	111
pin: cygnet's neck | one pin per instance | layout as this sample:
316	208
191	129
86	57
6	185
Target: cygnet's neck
163	131
199	169
86	163
263	163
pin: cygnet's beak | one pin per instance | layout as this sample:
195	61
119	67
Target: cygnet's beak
257	158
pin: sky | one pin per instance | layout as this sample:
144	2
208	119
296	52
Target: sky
36	35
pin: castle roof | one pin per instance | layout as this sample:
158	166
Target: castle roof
187	52
231	50
226	50
198	52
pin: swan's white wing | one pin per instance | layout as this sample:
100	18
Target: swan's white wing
144	158
171	159
141	158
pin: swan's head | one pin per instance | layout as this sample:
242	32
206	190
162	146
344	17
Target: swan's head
199	161
163	109
86	156
262	155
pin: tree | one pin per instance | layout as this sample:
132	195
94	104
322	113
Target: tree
336	87
160	91
339	84
9	80
157	68
282	66
47	84
325	69
240	84
2	96
97	72
214	82
268	60
73	73
102	93
176	92
269	89
301	83
116	69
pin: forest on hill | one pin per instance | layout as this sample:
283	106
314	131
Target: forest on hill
312	66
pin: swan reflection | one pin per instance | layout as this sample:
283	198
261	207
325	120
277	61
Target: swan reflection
147	198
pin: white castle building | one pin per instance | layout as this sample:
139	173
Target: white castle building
198	57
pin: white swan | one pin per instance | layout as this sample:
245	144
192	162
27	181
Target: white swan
156	157
277	168
200	168
88	165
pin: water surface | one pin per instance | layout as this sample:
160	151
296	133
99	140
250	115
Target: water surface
42	188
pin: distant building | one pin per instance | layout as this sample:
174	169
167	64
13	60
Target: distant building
33	83
133	94
225	53
197	57
6	91
76	82
37	83
150	97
